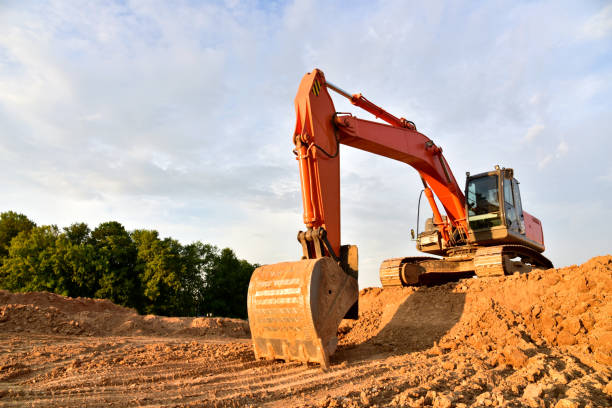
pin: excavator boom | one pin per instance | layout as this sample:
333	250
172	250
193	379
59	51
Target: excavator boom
320	130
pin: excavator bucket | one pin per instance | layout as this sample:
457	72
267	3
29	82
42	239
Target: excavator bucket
295	309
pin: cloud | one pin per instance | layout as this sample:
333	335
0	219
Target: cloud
533	132
560	152
598	26
545	161
606	176
562	149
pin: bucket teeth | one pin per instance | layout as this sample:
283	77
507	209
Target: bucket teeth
295	309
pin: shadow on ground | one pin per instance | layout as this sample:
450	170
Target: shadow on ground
417	323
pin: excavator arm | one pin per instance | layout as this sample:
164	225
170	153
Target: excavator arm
320	131
295	307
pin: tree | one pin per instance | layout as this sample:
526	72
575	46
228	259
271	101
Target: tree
11	224
80	258
226	283
78	233
135	269
170	274
195	257
35	264
159	271
115	265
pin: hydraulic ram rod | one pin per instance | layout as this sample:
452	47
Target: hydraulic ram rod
363	103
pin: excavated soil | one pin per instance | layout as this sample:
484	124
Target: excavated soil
542	339
48	313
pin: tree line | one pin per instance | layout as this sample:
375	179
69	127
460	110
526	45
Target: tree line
136	269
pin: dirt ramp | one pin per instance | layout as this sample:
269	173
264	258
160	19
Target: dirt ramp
403	319
48	313
566	307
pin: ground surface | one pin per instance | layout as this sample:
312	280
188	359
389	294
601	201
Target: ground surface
541	340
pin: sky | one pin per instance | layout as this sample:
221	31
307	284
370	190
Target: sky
178	116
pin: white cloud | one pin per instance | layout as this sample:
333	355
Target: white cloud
606	176
92	116
562	149
536	98
600	25
545	161
533	132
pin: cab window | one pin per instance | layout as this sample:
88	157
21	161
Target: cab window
511	217
483	202
483	197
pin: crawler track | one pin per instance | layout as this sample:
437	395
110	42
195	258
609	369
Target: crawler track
486	261
391	270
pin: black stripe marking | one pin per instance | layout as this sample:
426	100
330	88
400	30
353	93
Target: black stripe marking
316	88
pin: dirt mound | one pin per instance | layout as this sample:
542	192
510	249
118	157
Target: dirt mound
557	307
63	303
565	307
542	339
48	313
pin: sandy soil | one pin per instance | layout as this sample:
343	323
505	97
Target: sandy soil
539	340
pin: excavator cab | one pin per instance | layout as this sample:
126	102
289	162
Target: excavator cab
501	237
483	202
495	213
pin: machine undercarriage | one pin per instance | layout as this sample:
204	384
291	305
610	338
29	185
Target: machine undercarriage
477	261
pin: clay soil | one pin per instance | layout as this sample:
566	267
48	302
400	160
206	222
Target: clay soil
542	339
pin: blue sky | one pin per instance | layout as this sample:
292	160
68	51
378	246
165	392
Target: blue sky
178	116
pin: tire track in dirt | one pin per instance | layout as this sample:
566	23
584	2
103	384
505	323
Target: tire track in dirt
298	381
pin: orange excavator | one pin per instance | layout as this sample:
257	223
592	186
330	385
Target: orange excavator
295	308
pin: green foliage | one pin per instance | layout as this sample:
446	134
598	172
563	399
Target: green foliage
169	274
78	233
226	283
35	262
11	224
116	256
136	269
84	267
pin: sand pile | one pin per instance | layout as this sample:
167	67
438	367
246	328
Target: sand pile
48	313
567	307
542	339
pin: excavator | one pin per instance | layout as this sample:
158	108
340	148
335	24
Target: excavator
295	308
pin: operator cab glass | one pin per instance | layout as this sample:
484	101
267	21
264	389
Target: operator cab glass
520	219
483	202
512	221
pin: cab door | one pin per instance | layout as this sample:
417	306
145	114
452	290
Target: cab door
512	206
518	205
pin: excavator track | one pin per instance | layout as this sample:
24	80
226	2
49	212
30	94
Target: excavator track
485	262
498	260
395	271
